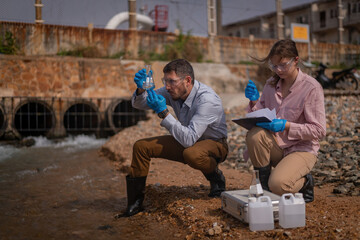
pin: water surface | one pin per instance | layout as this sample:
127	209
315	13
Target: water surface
57	190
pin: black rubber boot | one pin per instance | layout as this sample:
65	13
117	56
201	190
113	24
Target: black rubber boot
217	182
264	174
135	188
308	189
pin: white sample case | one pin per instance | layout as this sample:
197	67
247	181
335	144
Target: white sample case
236	203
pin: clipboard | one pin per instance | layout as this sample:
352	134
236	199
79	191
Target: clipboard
250	119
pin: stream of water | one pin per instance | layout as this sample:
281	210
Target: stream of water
57	189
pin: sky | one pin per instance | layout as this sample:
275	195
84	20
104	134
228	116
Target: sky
191	15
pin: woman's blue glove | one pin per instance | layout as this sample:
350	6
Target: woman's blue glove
155	101
251	91
276	125
140	77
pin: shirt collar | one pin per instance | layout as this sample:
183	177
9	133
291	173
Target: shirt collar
298	80
189	100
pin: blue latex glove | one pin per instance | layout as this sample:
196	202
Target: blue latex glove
140	77
276	125
155	101
251	91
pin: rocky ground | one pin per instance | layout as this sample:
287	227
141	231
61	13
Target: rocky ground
339	155
177	195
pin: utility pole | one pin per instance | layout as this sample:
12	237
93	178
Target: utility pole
341	18
211	6
218	17
132	14
280	20
38	16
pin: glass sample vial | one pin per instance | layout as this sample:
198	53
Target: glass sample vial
149	81
255	189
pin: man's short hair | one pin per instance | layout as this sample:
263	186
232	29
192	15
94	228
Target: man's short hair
181	67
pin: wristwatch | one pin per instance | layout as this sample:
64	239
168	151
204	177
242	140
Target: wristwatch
163	114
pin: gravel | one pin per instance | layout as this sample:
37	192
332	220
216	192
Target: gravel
339	154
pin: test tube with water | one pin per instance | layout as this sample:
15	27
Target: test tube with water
149	81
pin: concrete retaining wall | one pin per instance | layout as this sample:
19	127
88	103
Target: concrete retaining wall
99	78
42	39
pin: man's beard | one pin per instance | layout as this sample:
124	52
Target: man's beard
178	96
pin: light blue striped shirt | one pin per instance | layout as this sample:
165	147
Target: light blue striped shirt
200	117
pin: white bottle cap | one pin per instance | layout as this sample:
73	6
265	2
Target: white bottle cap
252	199
298	195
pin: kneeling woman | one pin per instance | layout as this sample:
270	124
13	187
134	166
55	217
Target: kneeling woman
285	150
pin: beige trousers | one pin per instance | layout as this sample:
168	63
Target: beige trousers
203	155
288	173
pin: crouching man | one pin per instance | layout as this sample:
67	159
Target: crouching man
197	136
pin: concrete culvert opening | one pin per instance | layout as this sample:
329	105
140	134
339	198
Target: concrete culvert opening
121	114
33	118
81	118
2	121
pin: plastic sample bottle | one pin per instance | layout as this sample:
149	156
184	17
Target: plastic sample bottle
149	81
255	189
292	210
261	215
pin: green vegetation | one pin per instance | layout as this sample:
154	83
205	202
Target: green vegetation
316	63
120	54
150	56
8	45
184	46
341	65
79	51
247	62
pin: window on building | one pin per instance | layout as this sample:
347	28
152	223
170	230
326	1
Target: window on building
354	8
334	13
349	9
305	19
272	30
230	34
322	19
302	19
238	34
253	31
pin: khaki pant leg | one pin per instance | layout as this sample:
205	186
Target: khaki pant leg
288	174
205	155
156	147
262	147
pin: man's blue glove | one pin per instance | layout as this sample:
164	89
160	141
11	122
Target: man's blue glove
251	91
276	125
140	77
155	101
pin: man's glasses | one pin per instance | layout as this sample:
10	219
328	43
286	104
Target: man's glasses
281	67
172	82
